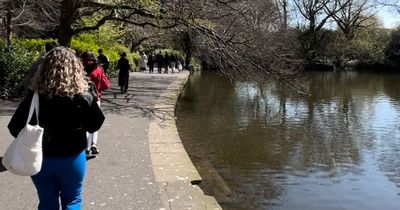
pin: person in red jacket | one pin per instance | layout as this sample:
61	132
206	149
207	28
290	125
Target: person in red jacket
99	83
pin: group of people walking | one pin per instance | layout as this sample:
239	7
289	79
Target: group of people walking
70	88
169	61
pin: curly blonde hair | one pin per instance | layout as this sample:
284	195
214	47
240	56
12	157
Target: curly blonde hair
61	73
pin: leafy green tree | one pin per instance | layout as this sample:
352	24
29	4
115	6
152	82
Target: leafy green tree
14	64
368	45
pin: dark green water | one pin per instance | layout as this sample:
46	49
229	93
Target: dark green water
269	148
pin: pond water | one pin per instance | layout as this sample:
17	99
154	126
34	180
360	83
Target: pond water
270	148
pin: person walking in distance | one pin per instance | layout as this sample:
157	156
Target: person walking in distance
160	61
166	63
143	62
179	62
100	83
172	59
103	61
123	74
150	62
66	112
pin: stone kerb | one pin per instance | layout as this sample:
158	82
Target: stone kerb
173	170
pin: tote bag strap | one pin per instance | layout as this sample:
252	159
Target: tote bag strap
34	107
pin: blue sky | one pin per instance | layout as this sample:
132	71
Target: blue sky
389	18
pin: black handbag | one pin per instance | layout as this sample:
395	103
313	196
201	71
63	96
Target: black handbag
93	90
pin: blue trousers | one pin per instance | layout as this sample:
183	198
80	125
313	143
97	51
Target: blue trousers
61	177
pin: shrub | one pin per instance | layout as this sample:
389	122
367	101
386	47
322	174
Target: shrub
368	45
393	50
14	65
36	45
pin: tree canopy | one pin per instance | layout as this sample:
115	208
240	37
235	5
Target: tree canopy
248	39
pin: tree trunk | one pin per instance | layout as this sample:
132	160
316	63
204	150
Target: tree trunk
64	37
312	23
8	28
66	32
135	44
285	14
187	47
348	34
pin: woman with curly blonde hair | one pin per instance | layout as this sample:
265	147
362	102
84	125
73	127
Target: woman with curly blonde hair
61	73
66	112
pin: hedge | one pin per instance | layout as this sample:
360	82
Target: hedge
14	65
16	61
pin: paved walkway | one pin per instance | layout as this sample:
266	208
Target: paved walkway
142	163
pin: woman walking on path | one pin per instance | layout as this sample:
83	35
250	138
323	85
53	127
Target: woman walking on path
173	62
103	60
166	63
160	61
150	62
66	112
123	74
143	62
100	83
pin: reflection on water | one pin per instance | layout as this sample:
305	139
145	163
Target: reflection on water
269	148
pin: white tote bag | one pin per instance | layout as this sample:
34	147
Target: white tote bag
24	156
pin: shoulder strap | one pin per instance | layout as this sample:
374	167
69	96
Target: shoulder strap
89	97
34	107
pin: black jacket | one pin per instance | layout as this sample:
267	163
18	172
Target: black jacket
124	66
103	61
65	121
159	59
151	60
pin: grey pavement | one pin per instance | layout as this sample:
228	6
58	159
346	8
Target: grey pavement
142	163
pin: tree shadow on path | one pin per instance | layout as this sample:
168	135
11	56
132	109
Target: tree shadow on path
140	100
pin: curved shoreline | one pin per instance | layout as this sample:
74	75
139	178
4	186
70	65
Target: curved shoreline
121	177
173	170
